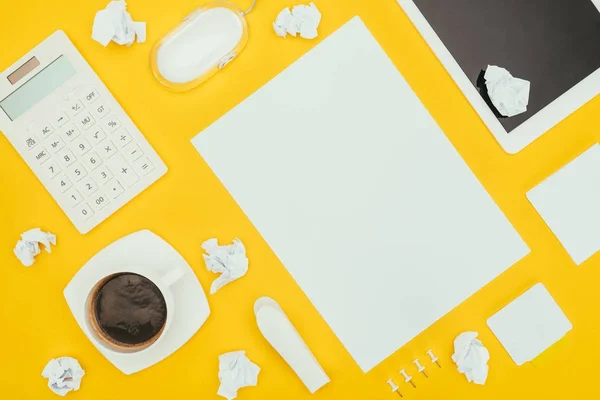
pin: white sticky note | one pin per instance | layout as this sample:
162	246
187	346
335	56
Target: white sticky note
530	324
354	186
569	203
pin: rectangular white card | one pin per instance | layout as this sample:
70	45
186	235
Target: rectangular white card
360	194
569	203
530	324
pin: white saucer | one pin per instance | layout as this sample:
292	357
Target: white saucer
142	249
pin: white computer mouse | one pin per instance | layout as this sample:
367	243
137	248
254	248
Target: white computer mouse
204	42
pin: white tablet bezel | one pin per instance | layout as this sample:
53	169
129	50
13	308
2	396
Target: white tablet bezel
534	127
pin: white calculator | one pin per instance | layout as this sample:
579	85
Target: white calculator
73	134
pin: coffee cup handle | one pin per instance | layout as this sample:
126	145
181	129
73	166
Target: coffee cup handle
171	277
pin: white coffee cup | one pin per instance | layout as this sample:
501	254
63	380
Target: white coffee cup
163	282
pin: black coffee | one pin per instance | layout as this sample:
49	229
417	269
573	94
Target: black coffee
130	309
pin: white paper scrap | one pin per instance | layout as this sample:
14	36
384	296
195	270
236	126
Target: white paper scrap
302	19
64	374
471	357
230	261
235	372
115	23
29	245
509	95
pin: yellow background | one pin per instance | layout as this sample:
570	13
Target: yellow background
189	205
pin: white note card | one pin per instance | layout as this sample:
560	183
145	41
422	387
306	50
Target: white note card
530	324
367	204
569	203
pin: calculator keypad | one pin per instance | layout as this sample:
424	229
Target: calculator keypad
87	153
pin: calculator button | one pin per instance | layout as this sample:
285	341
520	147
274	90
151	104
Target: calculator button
133	152
91	96
85	121
55	144
143	166
95	135
102	175
69	132
81	146
75	107
76	172
42	130
52	169
66	157
110	123
60	119
84	211
101	109
123	171
42	155
92	160
114	189
30	142
99	200
73	197
122	137
108	149
88	186
64	184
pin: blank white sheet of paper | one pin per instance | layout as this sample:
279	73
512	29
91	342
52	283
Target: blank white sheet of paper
569	203
354	186
530	324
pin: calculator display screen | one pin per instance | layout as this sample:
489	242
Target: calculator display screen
37	87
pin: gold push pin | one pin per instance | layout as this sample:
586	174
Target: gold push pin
433	358
407	378
394	387
420	368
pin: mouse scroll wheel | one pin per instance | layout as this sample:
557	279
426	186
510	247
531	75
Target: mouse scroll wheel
226	60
